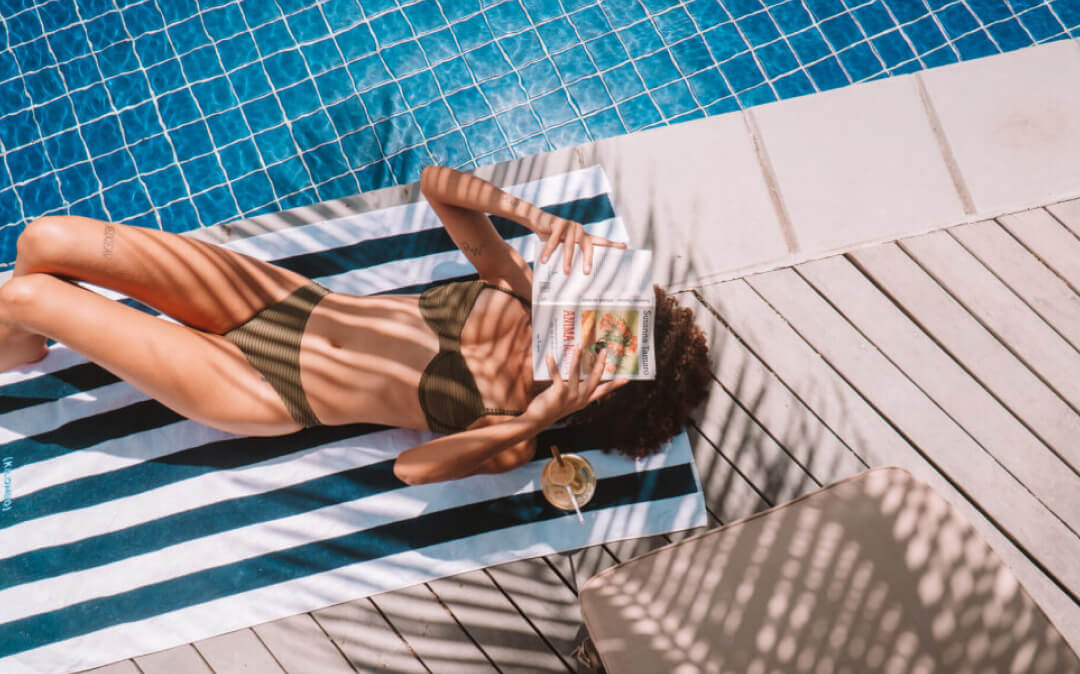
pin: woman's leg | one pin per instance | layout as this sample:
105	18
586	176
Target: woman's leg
205	286
200	375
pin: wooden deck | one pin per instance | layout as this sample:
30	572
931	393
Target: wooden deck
955	355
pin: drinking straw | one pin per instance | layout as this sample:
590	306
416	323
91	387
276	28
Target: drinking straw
573	500
558	456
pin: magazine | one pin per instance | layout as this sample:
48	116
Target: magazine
613	306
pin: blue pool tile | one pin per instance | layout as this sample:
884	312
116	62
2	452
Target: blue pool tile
607	52
190	140
203	171
341	14
250	82
841	31
361	148
313	130
990	10
623	82
216	205
792	85
141	121
1009	35
69	43
368	72
300	99
439	46
258	12
468	105
153	48
275	145
165	77
288	176
758	28
939	57
20	129
708	86
284	68
692	55
706	13
725	42
172	11
118	58
407	165
420	88
114	167
164	186
297	199
674	99
348	115
906	11
356	42
102	136
589	95
759	95
178	108
827	74
957	20
640	38
739	8
383	102
434	119
638	112
905	68
214	95
27	163
405	58
34	55
254	189
12	97
975	45
78	182
503	92
390	28
223	22
530	146
449	150
239	158
273	36
308	25
824	9
487	62
322	56
65	149
227	126
791	16
101	31
507	17
41	195
93	207
128	90
55	117
339	187
483	136
924	35
126	199
424	16
541	10
153	153
742	72
658	69
57	14
875	18
1041	23
187	35
893	48
558	35
539	78
518	123
179	216
453	75
554	108
10	213
605	124
201	63
1069	13
23	26
522	48
334	85
777	59
568	135
44	85
860	62
139	18
590	23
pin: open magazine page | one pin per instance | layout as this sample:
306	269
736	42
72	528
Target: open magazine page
612	307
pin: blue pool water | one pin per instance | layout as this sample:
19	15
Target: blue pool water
179	114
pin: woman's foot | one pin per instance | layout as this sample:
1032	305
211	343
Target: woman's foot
20	348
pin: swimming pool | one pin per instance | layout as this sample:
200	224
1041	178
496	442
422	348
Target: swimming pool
179	114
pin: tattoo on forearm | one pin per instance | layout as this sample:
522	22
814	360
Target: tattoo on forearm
108	242
471	250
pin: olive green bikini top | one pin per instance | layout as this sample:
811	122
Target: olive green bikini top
448	393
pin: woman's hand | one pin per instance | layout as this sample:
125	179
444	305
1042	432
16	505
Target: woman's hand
571	234
566	397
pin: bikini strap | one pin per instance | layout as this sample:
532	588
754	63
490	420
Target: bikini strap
520	298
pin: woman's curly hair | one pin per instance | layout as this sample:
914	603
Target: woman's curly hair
639	417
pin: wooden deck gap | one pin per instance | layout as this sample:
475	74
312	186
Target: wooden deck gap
334	642
948	415
734	467
396	631
1036	255
746	345
1008	347
555	569
464	629
522	613
267	648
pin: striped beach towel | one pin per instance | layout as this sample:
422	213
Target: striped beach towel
127	529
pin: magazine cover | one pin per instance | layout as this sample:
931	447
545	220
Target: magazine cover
612	307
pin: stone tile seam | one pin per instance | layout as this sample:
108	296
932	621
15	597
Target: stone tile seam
947	155
768	174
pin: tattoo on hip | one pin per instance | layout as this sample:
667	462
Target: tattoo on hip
108	242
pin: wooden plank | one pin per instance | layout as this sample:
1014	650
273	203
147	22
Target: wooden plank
772	404
122	667
541	595
432	631
299	644
859	426
935	372
1000	311
1025	275
494	623
179	660
239	651
1055	245
952	327
369	642
933	433
1068	213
